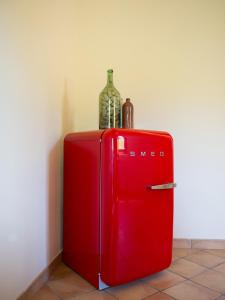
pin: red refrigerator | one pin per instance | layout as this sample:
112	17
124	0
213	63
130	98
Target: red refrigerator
118	204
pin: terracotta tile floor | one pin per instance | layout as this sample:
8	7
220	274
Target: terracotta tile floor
194	275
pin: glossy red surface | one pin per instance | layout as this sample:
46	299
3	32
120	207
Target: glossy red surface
113	224
137	223
81	204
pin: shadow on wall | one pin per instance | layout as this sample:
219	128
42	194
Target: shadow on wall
68	115
55	181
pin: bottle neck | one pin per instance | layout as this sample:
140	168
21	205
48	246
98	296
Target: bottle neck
110	77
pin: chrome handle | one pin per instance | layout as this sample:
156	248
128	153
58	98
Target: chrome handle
164	186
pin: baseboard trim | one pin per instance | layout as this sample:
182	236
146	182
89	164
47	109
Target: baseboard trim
199	243
41	279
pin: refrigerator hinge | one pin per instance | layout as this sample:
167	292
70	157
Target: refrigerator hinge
101	284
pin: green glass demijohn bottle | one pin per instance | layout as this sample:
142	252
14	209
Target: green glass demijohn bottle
110	110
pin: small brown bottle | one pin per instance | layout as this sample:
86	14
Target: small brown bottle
127	114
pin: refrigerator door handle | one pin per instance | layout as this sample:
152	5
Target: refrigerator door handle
164	186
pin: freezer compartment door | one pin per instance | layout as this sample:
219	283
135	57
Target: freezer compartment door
137	206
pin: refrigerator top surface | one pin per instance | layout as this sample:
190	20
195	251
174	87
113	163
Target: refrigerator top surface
114	132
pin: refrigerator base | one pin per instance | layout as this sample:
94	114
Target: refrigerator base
101	284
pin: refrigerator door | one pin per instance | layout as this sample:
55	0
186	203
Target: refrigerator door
136	204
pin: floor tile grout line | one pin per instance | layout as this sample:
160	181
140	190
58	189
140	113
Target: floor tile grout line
186	257
64	276
59	297
218	297
77	293
173	285
197	251
186	279
158	293
191	279
53	291
150	285
161	290
196	283
191	276
201	265
219	265
111	294
170	296
207	268
105	290
208	251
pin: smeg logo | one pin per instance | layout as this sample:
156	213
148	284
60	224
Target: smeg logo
145	153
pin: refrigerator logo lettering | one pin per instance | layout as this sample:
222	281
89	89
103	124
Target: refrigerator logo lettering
132	153
144	153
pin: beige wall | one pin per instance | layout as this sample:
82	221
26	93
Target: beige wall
168	56
31	114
